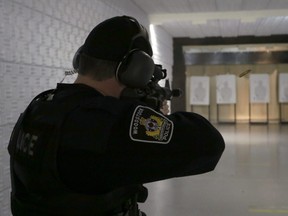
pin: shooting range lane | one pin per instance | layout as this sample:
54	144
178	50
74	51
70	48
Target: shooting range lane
250	179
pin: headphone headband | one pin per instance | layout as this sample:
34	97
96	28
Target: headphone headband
142	33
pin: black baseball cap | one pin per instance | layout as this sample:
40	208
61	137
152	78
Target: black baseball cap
113	38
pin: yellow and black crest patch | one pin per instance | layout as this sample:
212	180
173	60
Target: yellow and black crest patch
147	125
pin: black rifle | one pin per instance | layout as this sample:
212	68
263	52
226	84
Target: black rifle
153	94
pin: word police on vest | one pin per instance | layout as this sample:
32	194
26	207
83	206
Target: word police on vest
26	143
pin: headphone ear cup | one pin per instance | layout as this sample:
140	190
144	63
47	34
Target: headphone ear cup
136	69
76	58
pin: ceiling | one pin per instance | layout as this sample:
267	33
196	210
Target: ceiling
219	18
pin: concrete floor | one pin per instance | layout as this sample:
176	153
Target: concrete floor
251	178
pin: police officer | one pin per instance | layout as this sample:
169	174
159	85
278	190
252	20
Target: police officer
82	150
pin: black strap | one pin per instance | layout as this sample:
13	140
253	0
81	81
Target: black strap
74	204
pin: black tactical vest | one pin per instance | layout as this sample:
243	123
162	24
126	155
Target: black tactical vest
36	186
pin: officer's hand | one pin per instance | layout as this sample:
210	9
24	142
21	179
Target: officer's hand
165	108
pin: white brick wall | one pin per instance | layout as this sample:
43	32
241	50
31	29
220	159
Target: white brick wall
38	39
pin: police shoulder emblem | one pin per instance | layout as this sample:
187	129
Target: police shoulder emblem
147	125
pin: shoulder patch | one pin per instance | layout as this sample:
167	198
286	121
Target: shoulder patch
150	126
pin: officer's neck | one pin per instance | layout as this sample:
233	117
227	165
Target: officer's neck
108	87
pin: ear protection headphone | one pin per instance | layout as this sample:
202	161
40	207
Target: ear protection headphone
136	68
